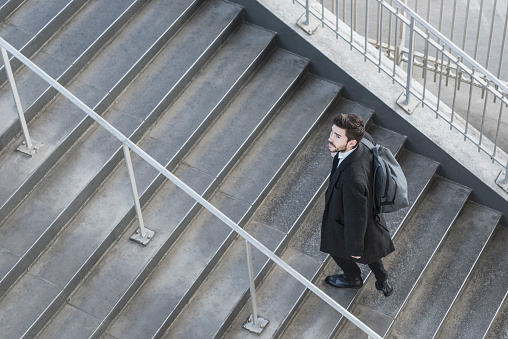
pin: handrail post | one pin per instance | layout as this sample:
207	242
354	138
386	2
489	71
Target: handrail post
410	61
306	12
29	146
404	100
253	323
142	235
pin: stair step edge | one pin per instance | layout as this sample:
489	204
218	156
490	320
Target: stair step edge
423	187
137	135
146	124
482	233
223	248
184	218
39	173
9	7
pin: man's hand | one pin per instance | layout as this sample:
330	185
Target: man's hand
355	257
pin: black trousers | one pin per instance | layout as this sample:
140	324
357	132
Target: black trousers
352	270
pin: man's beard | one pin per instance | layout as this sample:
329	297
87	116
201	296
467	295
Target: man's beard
342	150
336	150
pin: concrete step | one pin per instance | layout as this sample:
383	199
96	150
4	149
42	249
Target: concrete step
499	326
415	246
98	86
116	278
241	53
303	250
28	28
18	30
73	48
275	218
312	321
28	25
7	7
476	306
81	171
444	276
245	187
442	279
63	57
278	292
61	124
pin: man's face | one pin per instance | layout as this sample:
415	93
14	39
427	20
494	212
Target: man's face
337	142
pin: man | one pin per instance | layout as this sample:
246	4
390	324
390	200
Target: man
350	231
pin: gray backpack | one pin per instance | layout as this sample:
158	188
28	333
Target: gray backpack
390	185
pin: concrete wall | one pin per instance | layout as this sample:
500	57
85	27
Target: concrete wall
332	59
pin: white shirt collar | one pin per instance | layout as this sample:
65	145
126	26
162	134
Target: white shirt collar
344	155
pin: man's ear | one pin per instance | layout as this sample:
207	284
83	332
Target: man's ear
353	143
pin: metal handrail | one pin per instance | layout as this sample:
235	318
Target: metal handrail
128	144
451	45
472	28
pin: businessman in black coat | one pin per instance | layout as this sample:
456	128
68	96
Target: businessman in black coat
350	232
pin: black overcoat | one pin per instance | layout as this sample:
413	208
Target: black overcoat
349	227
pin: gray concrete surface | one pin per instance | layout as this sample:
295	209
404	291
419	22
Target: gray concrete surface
34	94
435	293
103	283
79	168
228	280
499	328
24	25
471	315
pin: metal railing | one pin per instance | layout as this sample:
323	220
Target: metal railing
143	234
441	59
478	26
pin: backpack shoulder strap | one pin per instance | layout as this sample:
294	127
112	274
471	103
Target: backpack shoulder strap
367	143
373	150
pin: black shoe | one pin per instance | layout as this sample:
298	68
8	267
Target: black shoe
385	286
341	281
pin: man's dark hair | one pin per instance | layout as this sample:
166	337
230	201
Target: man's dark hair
353	124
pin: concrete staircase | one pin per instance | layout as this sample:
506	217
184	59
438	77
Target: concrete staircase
245	124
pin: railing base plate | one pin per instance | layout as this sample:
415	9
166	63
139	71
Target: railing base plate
23	148
249	325
309	27
409	107
137	237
